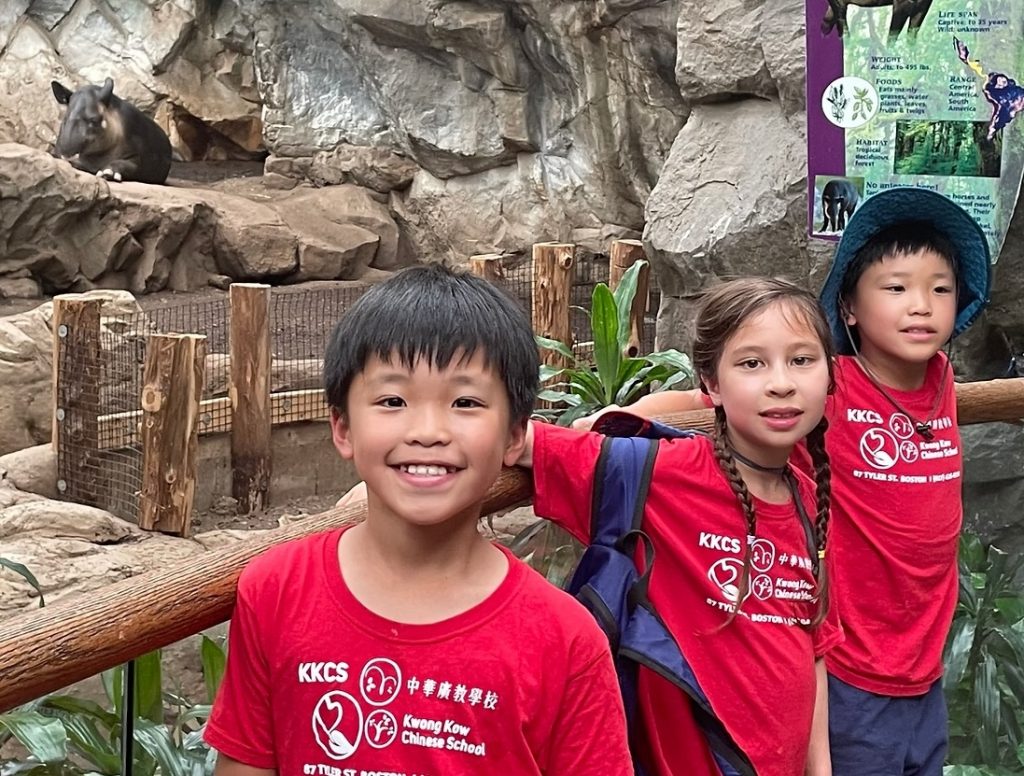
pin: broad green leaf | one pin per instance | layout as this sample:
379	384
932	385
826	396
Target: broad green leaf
625	292
149	691
156	741
587	385
972	551
958	650
548	372
986	701
553	396
81	707
552	344
213	659
569	416
604	323
22	570
44	737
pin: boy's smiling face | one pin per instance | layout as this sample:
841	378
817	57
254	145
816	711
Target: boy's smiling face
904	308
429	442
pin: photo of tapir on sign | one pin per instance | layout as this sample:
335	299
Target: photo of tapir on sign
104	135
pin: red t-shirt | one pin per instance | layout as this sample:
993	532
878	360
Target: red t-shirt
757	671
317	685
896	516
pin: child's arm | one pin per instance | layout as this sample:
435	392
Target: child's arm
228	767
819	759
241	722
653	404
563	462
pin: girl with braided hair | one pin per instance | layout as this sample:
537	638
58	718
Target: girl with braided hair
739	538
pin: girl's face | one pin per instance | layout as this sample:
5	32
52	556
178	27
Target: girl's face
772	380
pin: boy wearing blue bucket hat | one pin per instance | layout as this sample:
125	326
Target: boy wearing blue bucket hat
911	272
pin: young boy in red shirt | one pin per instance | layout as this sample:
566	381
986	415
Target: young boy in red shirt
409	644
911	272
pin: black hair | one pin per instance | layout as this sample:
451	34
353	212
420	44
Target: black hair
898	240
435	313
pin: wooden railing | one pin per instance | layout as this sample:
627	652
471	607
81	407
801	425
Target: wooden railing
47	649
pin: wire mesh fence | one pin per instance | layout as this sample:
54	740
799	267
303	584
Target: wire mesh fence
100	371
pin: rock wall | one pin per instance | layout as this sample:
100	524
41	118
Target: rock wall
484	125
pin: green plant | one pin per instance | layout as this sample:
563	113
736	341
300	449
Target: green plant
70	736
984	663
549	550
614	378
22	571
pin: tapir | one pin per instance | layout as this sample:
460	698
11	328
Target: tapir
839	199
111	138
905	13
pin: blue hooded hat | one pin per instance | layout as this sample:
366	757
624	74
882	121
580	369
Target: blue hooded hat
894	206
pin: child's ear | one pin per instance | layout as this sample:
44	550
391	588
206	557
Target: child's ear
341	434
516	443
847	314
711	389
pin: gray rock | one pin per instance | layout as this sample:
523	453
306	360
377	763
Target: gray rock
723	207
33	470
69	229
19	288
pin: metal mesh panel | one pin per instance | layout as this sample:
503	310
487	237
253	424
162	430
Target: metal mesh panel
99	457
98	394
301	321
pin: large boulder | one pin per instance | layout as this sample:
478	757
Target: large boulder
723	207
72	231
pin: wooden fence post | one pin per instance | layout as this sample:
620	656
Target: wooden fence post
624	254
172	385
552	285
76	396
249	390
486	266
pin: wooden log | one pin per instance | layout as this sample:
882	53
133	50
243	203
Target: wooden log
172	381
985	401
486	266
552	284
43	650
76	401
249	391
624	254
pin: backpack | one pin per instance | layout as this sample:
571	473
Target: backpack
608	582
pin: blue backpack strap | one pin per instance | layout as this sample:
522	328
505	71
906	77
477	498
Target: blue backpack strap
609	583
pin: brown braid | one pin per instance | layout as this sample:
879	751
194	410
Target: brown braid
723	453
823	482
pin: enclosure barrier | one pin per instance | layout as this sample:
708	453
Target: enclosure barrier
114	453
44	650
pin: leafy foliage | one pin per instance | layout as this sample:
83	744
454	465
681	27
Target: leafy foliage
69	736
614	378
984	662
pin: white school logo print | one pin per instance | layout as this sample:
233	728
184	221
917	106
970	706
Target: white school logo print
879	448
380	681
763	587
909	451
762	554
901	426
726	574
381	728
337	724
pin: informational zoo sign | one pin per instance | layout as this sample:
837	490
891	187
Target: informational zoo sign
920	93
